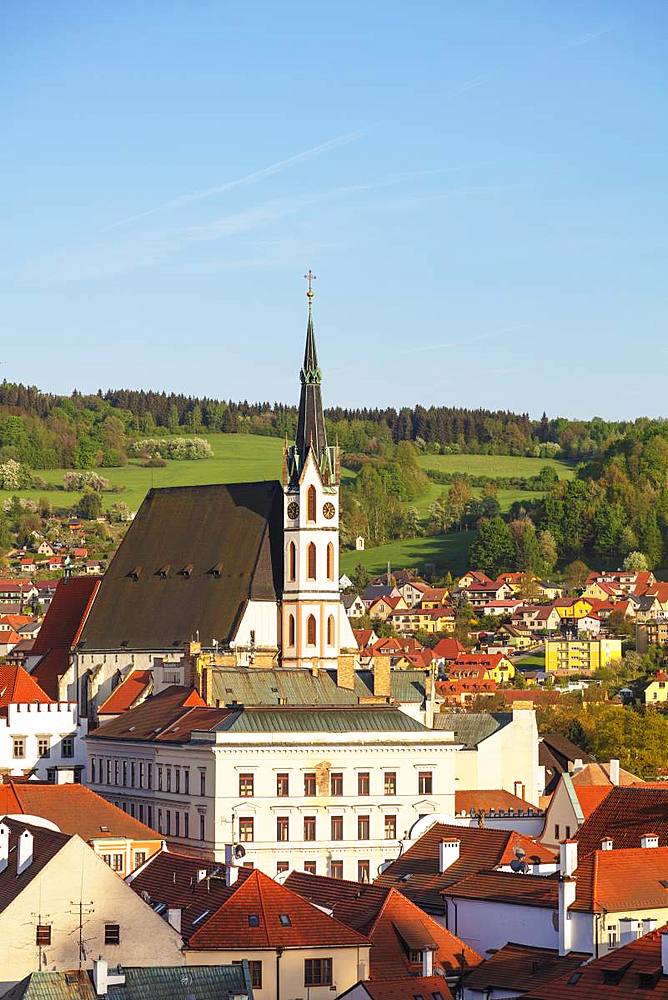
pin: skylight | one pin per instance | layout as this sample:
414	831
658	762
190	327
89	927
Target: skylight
253	920
285	920
201	917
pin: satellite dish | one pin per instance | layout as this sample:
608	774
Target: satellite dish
518	866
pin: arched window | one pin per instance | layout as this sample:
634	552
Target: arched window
310	504
330	561
330	630
291	630
292	561
310	561
310	630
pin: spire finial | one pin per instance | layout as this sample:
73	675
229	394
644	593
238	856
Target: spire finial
310	277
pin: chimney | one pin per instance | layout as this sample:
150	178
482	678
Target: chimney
381	676
628	930
345	671
664	953
174	918
4	846
649	840
448	853
568	857
64	776
100	976
568	861
648	925
427	962
614	771
577	765
429	698
606	844
24	852
231	867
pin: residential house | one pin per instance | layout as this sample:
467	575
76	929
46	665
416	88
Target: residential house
406	988
625	816
206	982
515	970
28	564
646	608
653	632
44	548
229	914
626	580
19	592
463	691
570	609
62	905
373	591
549	591
413	591
447	650
434	621
495	666
471	577
479	594
557	754
580	656
516	638
578	794
354	605
120	840
38	737
656	690
435	597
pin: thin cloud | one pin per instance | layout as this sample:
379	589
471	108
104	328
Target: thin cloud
466	85
491	335
587	37
252	178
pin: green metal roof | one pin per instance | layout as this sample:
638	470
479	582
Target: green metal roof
201	982
346	719
251	686
472	728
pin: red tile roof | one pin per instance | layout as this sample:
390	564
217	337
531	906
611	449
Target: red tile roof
259	895
157	717
518	967
488	802
629	973
591	796
508	887
74	809
625	815
449	649
62	628
427	987
127	693
620	880
17	687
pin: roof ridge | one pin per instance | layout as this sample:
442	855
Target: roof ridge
258	881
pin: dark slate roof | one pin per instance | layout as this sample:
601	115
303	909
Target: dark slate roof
555	752
190	560
471	728
522	967
46	844
205	982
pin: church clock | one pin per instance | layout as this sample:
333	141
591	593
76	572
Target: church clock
329	510
293	510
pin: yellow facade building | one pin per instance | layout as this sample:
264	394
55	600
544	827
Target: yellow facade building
580	656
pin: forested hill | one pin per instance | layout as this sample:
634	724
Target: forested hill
81	430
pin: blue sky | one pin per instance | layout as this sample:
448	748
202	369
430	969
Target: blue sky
480	188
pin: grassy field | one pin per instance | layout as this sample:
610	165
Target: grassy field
531	661
506	498
446	552
495	465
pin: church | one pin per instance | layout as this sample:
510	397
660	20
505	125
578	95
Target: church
248	571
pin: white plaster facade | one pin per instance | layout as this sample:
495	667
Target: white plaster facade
507	759
39	738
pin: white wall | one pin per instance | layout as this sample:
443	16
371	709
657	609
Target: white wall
55	720
483	924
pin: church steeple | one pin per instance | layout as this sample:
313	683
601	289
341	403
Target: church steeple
311	434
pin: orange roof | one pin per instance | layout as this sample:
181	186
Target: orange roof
496	800
285	920
620	880
9	637
127	693
74	809
363	636
407	988
624	815
591	796
61	629
17	687
16	621
449	649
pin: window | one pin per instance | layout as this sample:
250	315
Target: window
177	778
330	630
168	817
390	783
93	770
337	827
282	785
336	869
108	769
310	561
568	832
282	866
18	747
246	829
140	858
202	824
291	630
309	783
159	769
363	871
43	934
336	783
186	824
330	561
414	956
612	935
310	630
362	827
556	831
246	786
115	861
310	503
363	783
253	919
112	933
424	783
202	782
186	780
283	828
285	920
177	823
168	774
318	972
149	815
292	562
390	828
256	974
309	827
67	746
44	746
310	867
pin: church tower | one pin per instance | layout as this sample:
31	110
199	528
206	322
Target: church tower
311	613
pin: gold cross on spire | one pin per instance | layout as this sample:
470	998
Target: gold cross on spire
310	277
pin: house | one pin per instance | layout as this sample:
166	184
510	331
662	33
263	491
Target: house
19	592
637	970
209	982
516	638
365	637
229	914
120	840
434	597
557	754
405	941
501	608
498	750
515	970
384	606
53	887
465	690
580	656
656	690
570	609
625	580
38	737
8	640
447	852
79	552
44	548
287	777
54	563
130	692
413	591
406	988
473	576
434	621
578	794
549	591
354	605
45	591
28	564
479	594
625	816
446	650
652	632
495	666
373	591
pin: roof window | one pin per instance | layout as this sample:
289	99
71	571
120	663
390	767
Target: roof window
135	573
163	572
253	920
285	919
187	570
216	570
201	917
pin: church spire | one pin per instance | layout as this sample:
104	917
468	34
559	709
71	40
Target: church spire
311	421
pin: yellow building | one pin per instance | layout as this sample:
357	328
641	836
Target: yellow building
572	610
656	691
580	656
435	621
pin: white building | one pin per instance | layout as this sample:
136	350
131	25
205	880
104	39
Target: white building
331	790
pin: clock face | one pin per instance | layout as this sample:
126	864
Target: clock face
293	510
329	510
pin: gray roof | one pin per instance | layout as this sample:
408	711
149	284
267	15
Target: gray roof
205	982
349	599
363	718
298	686
472	728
